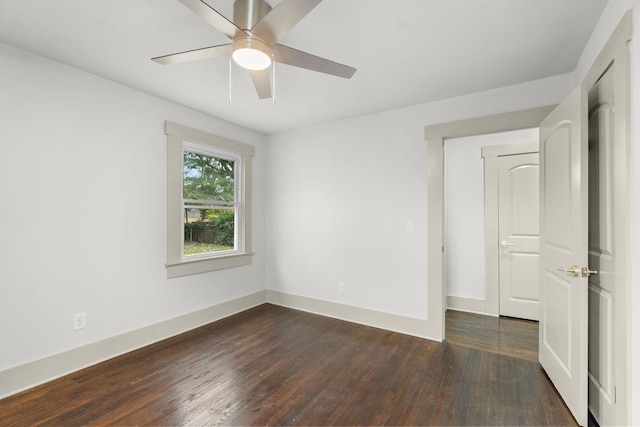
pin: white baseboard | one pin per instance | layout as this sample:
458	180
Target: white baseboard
470	305
22	377
28	375
391	322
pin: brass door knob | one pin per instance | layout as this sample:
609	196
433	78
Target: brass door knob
574	270
586	272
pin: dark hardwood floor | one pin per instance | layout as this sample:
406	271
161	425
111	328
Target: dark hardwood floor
275	366
503	335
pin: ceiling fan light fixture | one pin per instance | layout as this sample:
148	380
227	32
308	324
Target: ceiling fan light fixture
251	53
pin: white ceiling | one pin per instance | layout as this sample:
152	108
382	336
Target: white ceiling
407	52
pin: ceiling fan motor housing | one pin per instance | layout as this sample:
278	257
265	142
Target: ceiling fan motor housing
249	50
247	13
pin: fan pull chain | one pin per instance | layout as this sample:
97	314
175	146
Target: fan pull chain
273	67
230	70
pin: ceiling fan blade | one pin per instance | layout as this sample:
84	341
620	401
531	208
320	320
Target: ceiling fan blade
213	17
194	55
298	58
261	82
283	18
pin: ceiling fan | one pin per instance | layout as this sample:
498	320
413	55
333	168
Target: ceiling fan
254	34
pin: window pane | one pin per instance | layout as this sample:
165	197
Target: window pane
208	230
207	178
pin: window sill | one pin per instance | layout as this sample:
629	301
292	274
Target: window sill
203	265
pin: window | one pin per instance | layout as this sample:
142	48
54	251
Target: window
208	201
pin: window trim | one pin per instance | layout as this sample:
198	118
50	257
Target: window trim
176	265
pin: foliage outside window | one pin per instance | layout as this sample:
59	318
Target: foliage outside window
209	202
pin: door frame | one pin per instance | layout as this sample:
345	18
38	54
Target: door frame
435	136
616	50
490	155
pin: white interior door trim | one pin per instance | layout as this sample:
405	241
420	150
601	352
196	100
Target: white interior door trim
437	299
435	136
616	50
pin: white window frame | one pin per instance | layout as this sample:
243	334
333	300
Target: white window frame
180	137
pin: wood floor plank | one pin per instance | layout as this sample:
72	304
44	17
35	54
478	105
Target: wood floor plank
276	366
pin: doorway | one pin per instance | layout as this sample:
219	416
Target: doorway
472	253
435	136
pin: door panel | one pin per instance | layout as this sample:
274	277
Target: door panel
601	393
524	287
557	191
563	244
557	311
519	224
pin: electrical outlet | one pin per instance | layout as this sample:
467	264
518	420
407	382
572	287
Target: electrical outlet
342	288
79	321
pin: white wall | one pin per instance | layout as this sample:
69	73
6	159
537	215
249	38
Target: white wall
83	208
464	211
339	195
338	203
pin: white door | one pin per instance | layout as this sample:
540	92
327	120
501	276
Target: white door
518	214
563	246
606	254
